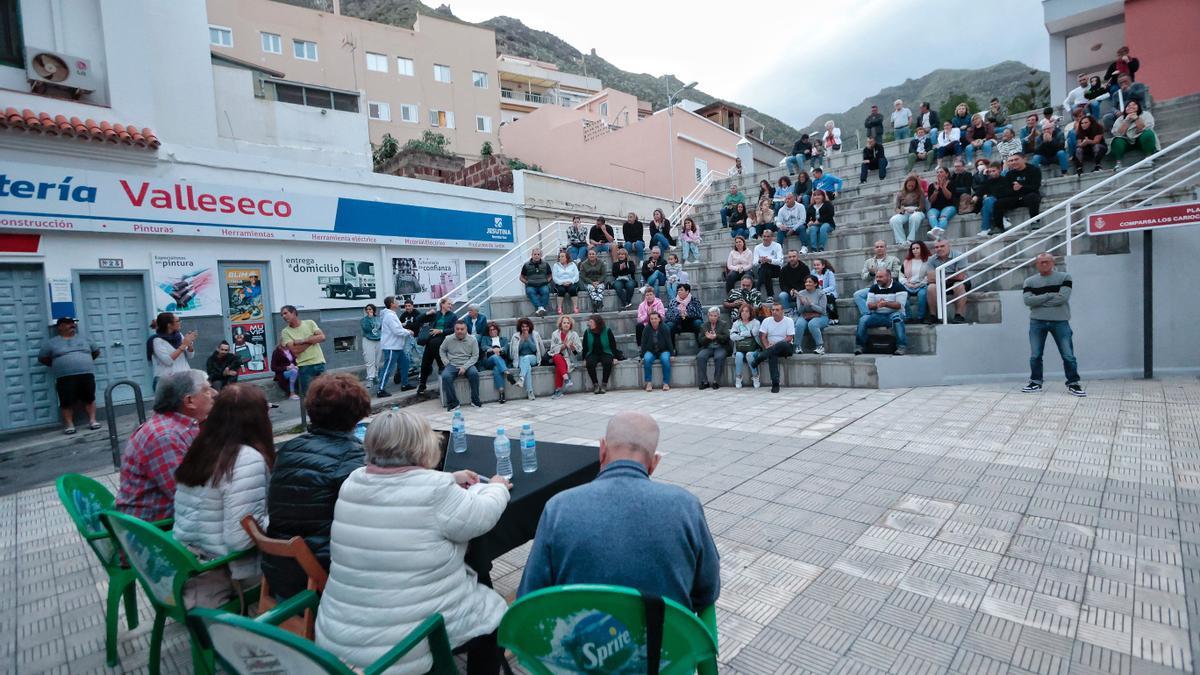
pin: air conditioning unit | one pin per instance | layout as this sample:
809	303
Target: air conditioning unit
47	68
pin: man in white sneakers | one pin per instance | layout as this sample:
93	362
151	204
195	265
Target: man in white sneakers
1047	294
777	335
393	340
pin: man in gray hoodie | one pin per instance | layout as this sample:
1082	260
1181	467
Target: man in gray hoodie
460	352
1047	294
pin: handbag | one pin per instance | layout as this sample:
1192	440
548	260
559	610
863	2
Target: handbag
965	204
423	335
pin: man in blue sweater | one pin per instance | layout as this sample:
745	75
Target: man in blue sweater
625	529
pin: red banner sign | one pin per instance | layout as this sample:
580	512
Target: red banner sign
1151	218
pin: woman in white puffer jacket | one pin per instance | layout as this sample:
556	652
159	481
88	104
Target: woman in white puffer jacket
400	532
223	477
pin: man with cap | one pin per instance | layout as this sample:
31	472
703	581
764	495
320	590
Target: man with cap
70	357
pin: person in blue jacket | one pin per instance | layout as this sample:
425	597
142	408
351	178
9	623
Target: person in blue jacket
831	184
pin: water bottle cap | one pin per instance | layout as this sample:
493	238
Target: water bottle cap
527	426
499	430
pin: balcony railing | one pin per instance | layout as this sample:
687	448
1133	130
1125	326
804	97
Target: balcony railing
528	97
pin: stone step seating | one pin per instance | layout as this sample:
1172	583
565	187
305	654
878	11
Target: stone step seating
801	370
1174	119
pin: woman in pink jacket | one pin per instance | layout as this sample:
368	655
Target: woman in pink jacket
649	305
738	263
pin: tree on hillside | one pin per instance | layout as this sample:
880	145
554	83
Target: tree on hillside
946	109
1035	97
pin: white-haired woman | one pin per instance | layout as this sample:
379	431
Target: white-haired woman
399	536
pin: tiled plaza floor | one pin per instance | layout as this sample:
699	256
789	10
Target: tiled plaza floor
969	529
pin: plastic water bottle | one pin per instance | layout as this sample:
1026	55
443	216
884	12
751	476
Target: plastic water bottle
504	465
529	462
458	432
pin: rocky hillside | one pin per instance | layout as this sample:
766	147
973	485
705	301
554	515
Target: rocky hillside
1007	80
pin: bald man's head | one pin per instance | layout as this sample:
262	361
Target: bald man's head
630	435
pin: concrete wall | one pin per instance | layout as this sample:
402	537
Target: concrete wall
285	130
1162	34
431	41
1106	309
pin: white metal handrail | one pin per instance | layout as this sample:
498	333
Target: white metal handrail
693	198
548	238
1168	169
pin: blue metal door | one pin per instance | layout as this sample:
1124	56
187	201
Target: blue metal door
26	399
114	317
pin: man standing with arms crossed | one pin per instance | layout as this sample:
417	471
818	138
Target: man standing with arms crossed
303	339
1047	294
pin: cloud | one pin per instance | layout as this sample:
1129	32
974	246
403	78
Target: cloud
796	60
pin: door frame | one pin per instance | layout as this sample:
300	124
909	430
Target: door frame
77	275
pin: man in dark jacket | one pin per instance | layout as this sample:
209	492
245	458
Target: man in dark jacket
715	344
874	124
928	118
654	270
801	153
873	159
535	274
1021	186
791	278
308	473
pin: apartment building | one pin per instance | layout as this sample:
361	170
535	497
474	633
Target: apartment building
438	76
526	85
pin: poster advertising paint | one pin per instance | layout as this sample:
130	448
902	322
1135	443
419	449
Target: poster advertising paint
330	280
243	291
250	344
186	285
425	278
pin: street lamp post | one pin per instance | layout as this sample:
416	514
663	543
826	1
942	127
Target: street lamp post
671	132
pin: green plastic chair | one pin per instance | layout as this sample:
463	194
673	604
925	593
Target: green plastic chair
602	629
84	500
258	645
163	566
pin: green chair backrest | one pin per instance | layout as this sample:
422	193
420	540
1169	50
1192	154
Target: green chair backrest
593	628
162	565
85	499
246	647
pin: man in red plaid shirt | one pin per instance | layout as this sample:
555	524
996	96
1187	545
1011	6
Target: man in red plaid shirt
181	402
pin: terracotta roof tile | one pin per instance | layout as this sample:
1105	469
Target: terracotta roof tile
85	130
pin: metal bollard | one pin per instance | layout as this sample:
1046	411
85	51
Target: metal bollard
113	439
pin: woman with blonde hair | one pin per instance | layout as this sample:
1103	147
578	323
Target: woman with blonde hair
399	539
911	206
564	346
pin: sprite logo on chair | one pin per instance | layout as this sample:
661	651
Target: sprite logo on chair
593	641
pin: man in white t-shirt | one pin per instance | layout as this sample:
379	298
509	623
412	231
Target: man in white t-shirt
777	335
901	118
768	258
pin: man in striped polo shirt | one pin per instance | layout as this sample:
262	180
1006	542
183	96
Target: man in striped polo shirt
1047	295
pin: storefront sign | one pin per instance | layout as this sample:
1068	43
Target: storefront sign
36	197
185	285
331	280
1153	218
425	278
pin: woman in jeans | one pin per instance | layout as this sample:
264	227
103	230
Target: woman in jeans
370	340
738	226
525	352
577	239
911	206
564	276
738	263
744	334
650	305
287	374
690	237
915	278
564	347
624	276
634	234
811	314
655	345
827	280
660	232
493	352
600	347
1089	143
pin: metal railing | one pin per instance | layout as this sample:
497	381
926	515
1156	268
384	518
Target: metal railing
479	287
1058	227
693	198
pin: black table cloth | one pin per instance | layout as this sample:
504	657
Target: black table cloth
560	467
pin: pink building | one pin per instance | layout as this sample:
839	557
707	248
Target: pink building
604	141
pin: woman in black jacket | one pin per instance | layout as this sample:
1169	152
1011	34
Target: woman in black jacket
656	346
441	324
820	220
600	346
660	232
634	234
624	276
308	473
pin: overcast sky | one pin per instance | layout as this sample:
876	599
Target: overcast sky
851	49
